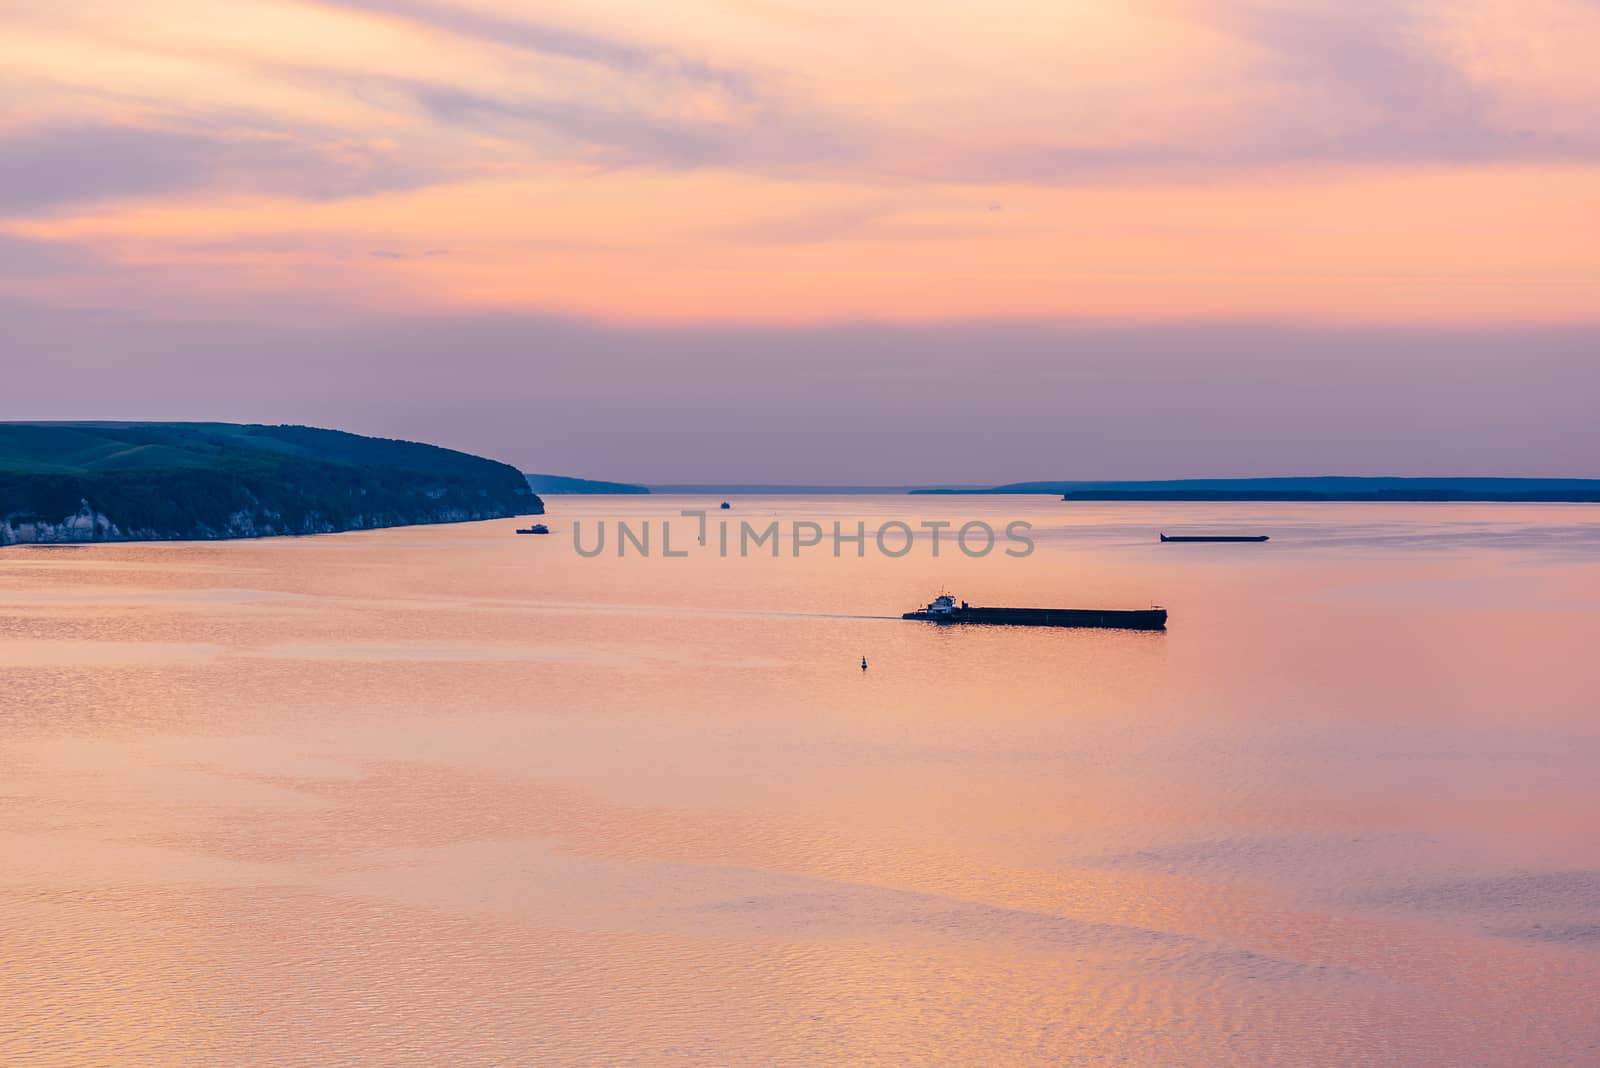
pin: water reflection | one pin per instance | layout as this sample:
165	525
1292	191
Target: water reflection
440	795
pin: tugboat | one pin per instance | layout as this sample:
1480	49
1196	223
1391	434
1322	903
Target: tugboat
537	528
943	609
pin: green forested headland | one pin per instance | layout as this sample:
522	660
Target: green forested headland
73	482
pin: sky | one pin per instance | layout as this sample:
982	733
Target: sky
829	242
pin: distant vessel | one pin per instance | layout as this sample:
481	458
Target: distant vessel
725	504
537	528
943	609
1214	537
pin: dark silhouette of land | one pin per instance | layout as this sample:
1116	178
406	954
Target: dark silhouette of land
76	482
1324	488
766	489
550	485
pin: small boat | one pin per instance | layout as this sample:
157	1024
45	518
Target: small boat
537	528
1214	537
725	505
943	609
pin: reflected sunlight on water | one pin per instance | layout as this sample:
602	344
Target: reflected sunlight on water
447	795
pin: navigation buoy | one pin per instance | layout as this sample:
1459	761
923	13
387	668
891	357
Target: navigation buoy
863	663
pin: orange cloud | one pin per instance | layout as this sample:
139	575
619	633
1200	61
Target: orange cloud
746	161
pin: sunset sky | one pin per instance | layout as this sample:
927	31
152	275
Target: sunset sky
759	240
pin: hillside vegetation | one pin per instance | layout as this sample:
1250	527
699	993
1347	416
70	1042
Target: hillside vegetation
127	481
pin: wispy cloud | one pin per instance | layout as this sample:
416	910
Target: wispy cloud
48	168
757	134
551	39
612	158
646	104
1368	82
21	257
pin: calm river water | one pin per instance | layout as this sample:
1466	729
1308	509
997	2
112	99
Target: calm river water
446	795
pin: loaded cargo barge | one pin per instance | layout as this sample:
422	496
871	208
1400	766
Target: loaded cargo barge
944	609
1213	537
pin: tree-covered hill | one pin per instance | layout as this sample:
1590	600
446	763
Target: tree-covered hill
135	481
563	484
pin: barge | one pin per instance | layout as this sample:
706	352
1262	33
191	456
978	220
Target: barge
1213	537
943	609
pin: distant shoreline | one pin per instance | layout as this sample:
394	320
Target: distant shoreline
1286	490
1332	489
213	540
761	490
1265	498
